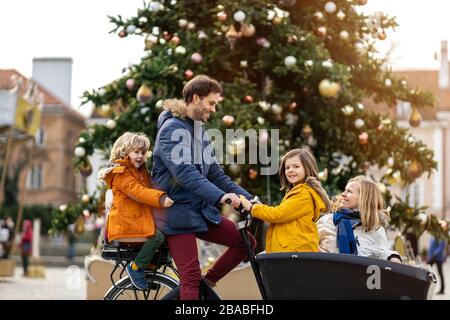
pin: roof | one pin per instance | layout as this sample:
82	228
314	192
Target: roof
6	83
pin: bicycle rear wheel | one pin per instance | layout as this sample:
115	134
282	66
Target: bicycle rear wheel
159	285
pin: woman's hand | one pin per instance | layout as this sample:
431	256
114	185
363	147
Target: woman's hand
245	203
166	202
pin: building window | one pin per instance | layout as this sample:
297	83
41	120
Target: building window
40	136
34	179
403	109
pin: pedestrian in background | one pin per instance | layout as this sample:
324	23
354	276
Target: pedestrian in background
25	244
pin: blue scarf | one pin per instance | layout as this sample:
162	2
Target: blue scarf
345	219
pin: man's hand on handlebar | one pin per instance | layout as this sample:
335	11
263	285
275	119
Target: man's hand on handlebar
235	201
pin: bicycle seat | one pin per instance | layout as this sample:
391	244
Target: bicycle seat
125	251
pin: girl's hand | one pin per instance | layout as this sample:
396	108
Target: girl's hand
245	203
166	202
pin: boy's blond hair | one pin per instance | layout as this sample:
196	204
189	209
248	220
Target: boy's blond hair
129	142
370	203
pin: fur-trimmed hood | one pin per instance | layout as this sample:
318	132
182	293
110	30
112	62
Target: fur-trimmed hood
172	108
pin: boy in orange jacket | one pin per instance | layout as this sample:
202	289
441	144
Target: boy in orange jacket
130	218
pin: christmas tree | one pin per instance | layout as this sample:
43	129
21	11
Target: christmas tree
302	67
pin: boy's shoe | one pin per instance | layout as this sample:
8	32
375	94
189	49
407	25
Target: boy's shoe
137	276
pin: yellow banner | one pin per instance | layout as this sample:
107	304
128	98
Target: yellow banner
28	116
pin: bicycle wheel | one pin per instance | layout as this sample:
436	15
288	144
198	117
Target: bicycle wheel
159	285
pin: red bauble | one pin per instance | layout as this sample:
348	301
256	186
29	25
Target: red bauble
248	99
188	74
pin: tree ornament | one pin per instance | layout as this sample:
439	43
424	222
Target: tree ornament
292	39
197	58
130	29
277	20
239	16
423	218
364	138
188	74
329	89
232	35
307	131
122	34
340	15
415	118
309	63
85	198
243	64
144	94
80	152
252	174
83	140
261	120
111	124
293	106
105	110
85	169
264	105
248	99
130	84
290	61
155	6
276	108
359	123
318	16
202	35
248	30
182	23
263	42
361	2
222	16
228	120
347	110
414	169
79	225
327	64
321	31
191	26
344	35
330	7
180	50
381	35
388	82
175	40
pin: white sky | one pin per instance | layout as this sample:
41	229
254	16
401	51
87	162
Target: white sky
79	29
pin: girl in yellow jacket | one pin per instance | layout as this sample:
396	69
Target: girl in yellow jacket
293	223
130	218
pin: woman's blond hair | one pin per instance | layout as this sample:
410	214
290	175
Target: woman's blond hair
129	142
370	202
311	174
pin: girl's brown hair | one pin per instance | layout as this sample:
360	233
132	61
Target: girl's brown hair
311	174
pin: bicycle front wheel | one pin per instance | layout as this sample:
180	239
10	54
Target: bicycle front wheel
159	285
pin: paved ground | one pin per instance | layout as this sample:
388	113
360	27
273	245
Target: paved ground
59	284
70	284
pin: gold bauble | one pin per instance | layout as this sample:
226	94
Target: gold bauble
307	131
86	169
248	30
144	94
415	118
414	169
79	225
329	89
